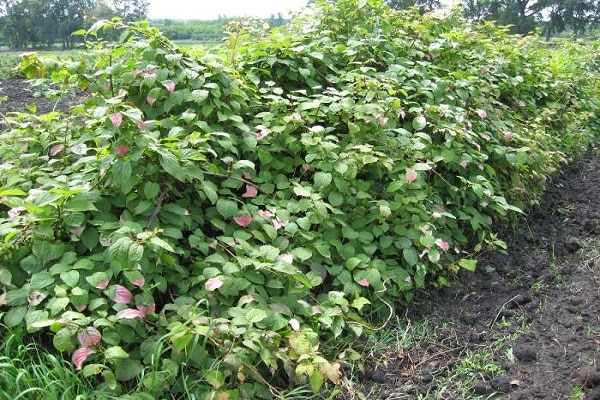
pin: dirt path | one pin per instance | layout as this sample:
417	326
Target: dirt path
526	325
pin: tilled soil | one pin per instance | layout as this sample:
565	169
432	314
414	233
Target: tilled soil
534	309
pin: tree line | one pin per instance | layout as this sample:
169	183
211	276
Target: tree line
525	16
39	23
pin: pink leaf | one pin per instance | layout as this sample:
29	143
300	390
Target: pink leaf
54	150
80	355
102	285
266	213
122	295
251	191
297	117
364	282
151	100
15	212
139	282
140	124
247	175
278	223
287	258
213	284
482	114
130	313
243	220
116	119
122	150
464	164
169	85
411	175
382	121
262	134
137	73
442	244
508	136
78	231
81	308
90	336
305	167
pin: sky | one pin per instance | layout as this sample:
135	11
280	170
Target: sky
211	9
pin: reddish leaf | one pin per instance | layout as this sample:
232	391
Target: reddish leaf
442	244
262	134
464	164
243	220
297	117
139	282
80	355
266	213
54	150
411	175
278	223
482	114
90	336
122	295
130	313
116	119
508	136
251	191
15	212
364	282
122	150
140	124
102	285
213	284
382	121
151	100
169	85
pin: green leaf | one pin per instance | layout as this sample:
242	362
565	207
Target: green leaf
128	369
359	303
227	208
322	179
255	315
115	352
151	190
5	276
90	238
136	252
316	378
468	264
302	253
15	316
41	280
70	277
63	341
81	202
215	378
419	122
162	244
410	256
352	263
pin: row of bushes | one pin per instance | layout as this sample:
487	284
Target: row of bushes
214	226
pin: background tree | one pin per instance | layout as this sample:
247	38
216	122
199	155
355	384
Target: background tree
35	23
425	5
525	15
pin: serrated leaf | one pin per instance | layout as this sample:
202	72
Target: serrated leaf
227	208
316	380
151	190
41	280
255	315
128	369
63	341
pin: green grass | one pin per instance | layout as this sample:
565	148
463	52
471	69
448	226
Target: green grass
28	371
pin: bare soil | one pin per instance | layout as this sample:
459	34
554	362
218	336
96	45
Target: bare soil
534	309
